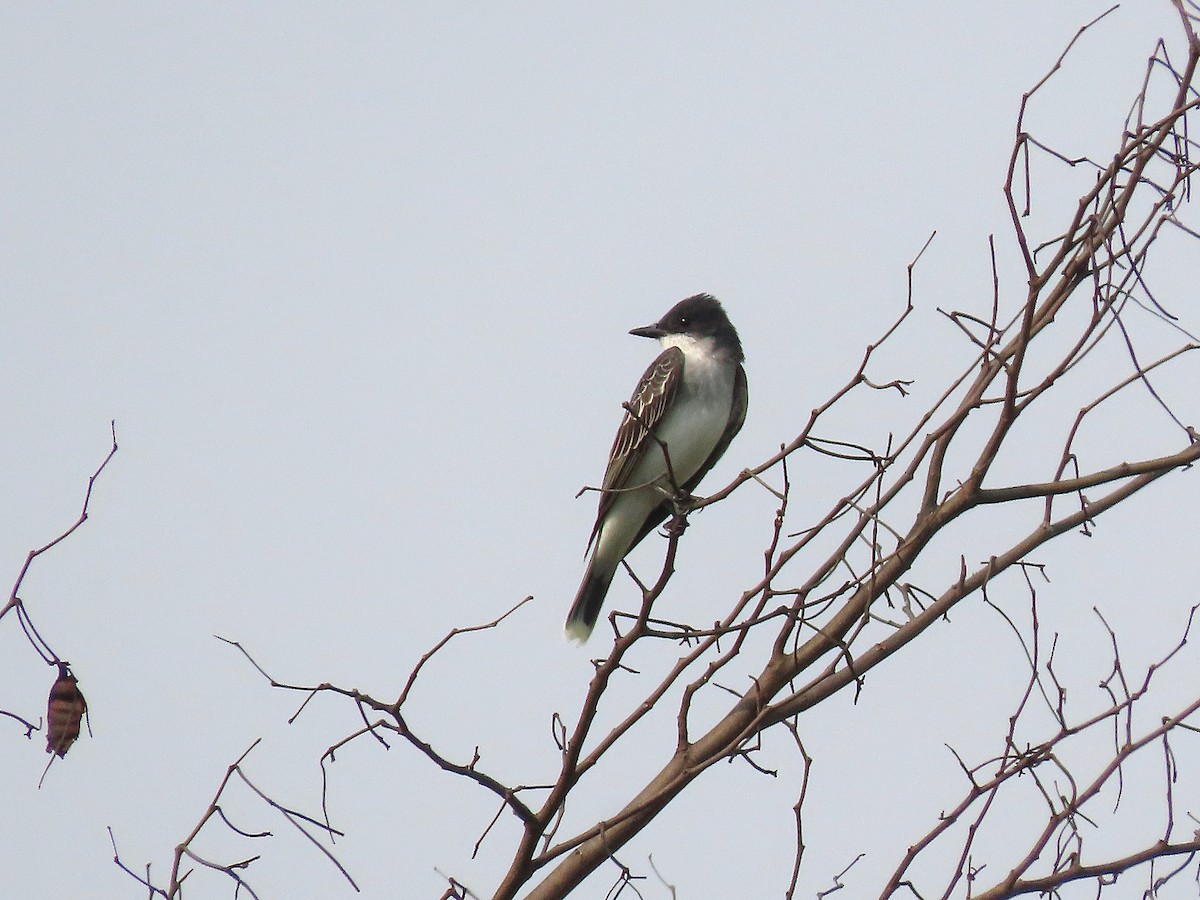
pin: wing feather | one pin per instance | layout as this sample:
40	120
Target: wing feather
649	403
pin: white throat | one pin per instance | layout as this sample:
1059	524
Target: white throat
698	349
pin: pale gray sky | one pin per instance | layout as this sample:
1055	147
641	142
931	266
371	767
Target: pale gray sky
355	282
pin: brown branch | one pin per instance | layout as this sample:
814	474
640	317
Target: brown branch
14	601
232	870
30	728
1078	871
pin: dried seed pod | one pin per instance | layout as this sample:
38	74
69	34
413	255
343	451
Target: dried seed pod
64	712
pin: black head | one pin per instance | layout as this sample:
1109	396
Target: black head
699	316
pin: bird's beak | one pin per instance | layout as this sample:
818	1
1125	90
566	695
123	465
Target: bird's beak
650	331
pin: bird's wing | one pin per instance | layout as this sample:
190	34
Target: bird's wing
649	403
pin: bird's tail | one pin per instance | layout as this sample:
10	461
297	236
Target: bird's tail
586	608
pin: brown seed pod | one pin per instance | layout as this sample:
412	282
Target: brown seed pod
64	713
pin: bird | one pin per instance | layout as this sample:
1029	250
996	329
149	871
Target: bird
693	399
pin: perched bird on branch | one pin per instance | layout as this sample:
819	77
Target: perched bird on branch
684	412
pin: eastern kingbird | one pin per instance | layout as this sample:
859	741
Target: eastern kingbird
693	398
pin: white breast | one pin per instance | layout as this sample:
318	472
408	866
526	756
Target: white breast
697	419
